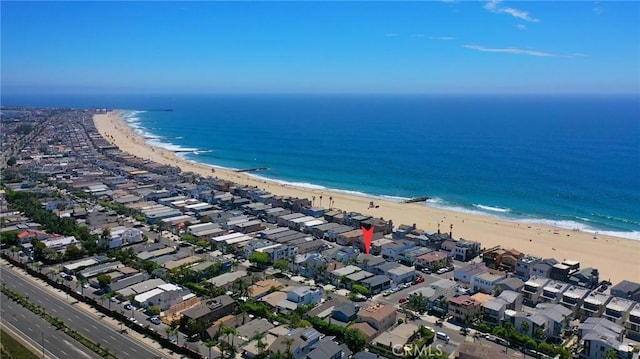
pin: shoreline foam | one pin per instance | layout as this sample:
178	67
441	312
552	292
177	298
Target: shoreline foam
490	229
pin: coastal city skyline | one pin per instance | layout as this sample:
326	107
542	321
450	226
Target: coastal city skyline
318	47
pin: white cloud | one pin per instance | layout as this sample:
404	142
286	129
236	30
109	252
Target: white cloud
443	38
492	6
578	54
521	26
511	50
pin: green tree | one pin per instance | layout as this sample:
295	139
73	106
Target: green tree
155	310
360	289
73	252
281	264
355	340
260	259
9	238
610	354
524	327
104	280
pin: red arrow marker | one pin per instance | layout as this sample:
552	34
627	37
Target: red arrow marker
367	234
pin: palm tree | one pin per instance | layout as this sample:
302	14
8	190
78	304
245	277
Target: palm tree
82	282
261	345
231	333
288	341
330	202
209	344
320	200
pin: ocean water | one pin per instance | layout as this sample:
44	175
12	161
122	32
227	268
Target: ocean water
570	161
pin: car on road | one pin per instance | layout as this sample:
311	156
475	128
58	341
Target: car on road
443	336
419	280
154	320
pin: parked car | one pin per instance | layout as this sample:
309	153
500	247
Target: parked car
386	293
128	306
155	320
402	300
419	280
426	270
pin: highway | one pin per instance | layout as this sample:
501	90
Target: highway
90	325
37	331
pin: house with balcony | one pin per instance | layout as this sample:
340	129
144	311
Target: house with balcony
346	254
493	311
356	277
597	336
532	290
337	275
433	260
465	275
304	295
379	316
543	268
369	262
297	343
464	308
486	282
209	311
279	251
461	250
391	251
593	305
409	256
377	284
627	289
502	259
618	309
573	298
632	324
552	292
401	274
524	266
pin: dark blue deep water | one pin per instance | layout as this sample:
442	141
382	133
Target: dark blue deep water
570	160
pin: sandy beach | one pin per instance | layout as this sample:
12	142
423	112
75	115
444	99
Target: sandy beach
616	258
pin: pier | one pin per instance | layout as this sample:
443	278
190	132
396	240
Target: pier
417	199
254	169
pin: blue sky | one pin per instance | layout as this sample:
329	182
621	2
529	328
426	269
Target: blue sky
308	47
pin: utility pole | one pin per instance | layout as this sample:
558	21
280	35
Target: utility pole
43	344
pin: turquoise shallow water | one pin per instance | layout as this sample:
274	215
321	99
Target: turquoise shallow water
570	161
